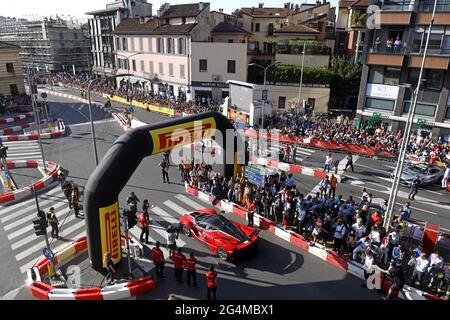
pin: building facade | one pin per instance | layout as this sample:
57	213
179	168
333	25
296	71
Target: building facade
273	27
102	27
392	58
49	44
351	28
174	54
12	81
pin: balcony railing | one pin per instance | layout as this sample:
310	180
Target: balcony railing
387	50
258	52
310	48
441	6
432	50
398	5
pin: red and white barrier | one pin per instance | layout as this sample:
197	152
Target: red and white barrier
17	118
60	129
121	121
52	175
117	116
299	241
316	173
21	127
44	291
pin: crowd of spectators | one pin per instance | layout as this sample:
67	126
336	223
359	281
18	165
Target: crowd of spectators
10	102
342	131
351	227
137	92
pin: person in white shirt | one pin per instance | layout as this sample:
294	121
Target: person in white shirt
328	162
375	236
444	182
421	266
359	228
339	234
436	263
384	249
361	246
172	235
369	263
395	237
364	193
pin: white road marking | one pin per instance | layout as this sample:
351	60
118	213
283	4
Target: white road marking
29	226
189	202
172	205
164	215
9	208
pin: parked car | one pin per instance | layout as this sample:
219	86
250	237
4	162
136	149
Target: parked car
428	174
226	238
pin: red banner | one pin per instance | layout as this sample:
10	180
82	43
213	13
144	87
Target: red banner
321	144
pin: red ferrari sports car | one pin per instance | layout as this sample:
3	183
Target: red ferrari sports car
226	238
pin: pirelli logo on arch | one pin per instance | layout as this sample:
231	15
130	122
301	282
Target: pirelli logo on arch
167	138
109	231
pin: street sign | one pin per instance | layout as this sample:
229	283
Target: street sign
376	115
264	95
421	122
48	254
239	125
43	95
255	176
131	109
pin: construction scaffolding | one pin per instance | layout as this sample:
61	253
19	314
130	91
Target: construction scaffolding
49	44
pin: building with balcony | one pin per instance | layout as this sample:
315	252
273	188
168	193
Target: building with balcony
392	57
177	56
269	26
49	44
12	81
351	28
102	27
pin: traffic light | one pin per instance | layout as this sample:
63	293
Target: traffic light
40	224
3	151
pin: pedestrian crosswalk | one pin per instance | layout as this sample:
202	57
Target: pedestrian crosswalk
23	150
16	221
301	153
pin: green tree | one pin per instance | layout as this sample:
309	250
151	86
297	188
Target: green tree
346	80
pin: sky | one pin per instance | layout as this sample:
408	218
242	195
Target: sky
78	8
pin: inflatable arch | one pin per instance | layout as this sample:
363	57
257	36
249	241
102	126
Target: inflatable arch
102	190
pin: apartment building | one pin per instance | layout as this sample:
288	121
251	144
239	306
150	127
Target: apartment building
351	28
176	56
392	58
273	27
102	27
12	81
49	44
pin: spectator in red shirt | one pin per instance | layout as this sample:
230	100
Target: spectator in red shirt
375	218
191	271
250	213
179	260
211	277
158	260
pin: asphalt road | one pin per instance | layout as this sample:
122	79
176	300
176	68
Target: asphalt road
274	271
431	205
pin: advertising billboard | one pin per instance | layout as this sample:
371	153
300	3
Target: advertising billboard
109	231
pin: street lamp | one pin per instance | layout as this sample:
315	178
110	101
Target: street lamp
301	76
265	90
407	133
128	68
90	110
